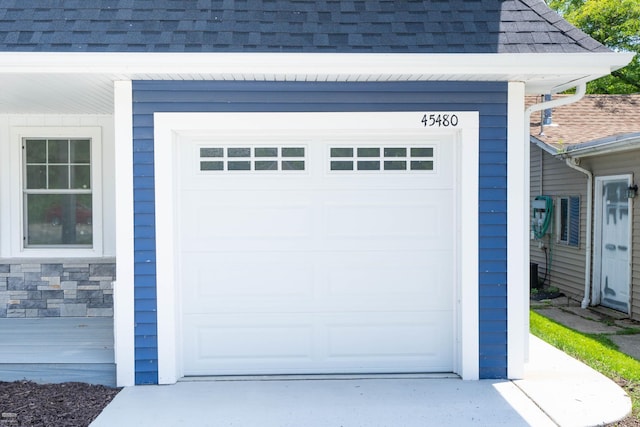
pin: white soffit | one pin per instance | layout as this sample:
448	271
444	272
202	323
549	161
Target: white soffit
82	83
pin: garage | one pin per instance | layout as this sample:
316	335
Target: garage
331	251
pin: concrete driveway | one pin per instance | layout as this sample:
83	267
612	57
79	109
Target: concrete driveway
556	390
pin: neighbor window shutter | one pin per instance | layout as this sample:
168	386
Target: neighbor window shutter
574	221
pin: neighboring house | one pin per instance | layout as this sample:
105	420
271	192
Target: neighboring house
585	163
283	187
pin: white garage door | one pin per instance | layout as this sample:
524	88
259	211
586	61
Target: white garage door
302	254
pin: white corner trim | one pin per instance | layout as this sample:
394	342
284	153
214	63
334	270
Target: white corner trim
5	188
123	319
468	202
169	125
517	232
169	366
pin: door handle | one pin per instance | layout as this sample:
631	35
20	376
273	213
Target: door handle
622	248
610	247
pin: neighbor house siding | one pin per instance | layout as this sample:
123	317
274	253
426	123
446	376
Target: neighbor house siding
564	265
490	99
621	164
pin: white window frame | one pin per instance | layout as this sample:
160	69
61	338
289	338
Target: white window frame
17	219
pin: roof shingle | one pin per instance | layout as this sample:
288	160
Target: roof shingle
592	118
420	26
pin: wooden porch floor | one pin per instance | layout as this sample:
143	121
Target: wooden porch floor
52	350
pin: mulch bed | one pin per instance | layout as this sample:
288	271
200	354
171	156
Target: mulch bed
25	403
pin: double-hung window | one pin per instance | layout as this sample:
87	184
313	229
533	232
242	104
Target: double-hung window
56	195
57	192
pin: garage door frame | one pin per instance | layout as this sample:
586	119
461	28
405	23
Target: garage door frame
168	127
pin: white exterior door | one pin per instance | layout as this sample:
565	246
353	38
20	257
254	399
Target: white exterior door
613	242
306	254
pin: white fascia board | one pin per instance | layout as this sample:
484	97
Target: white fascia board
260	66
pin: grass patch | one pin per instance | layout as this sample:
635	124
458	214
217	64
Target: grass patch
628	331
595	350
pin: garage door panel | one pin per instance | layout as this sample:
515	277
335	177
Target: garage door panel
382	337
302	344
316	270
231	217
397	284
316	282
420	216
236	345
229	281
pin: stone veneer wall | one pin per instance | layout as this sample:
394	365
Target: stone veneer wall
59	288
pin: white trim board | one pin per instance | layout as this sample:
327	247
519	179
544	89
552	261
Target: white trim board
123	296
542	72
517	233
169	125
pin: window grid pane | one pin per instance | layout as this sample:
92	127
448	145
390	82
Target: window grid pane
382	158
254	159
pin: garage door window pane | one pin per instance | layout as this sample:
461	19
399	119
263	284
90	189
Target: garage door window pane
341	166
239	166
421	152
211	152
396	165
211	166
395	152
426	165
290	165
239	152
293	152
368	152
368	166
341	152
270	165
266	152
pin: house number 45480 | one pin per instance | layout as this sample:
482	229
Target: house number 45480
440	120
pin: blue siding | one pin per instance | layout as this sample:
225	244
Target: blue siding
490	99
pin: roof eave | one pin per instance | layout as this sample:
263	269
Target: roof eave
542	72
613	144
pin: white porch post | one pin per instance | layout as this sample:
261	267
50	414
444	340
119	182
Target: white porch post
123	290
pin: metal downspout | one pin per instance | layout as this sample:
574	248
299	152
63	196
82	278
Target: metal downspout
581	89
573	163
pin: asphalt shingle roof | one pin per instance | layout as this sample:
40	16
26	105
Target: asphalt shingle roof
424	26
592	118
